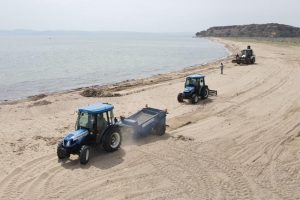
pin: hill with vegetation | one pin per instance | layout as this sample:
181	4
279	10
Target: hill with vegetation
270	30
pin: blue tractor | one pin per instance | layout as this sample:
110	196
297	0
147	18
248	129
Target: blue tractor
95	125
195	89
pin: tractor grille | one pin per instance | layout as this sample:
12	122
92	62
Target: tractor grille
187	94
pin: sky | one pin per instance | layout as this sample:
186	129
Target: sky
143	15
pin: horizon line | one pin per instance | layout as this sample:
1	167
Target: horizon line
87	31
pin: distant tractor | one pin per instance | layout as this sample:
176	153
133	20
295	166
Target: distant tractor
246	57
195	89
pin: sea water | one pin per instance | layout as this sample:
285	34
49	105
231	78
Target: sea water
51	62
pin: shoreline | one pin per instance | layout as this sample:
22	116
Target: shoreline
112	88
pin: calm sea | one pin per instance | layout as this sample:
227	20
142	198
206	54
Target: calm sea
42	63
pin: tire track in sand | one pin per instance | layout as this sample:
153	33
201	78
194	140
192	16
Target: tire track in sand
202	169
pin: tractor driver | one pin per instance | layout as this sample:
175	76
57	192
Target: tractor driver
201	82
199	86
101	123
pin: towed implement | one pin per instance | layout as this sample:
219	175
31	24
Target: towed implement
146	121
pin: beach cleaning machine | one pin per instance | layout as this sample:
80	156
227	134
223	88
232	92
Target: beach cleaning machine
96	125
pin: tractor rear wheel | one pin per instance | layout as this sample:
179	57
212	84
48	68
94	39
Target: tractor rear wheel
112	140
205	93
180	97
195	99
61	151
84	154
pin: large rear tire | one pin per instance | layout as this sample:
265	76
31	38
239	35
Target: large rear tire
180	97
84	154
112	140
205	93
61	151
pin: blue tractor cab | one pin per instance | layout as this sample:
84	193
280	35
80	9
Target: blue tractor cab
95	125
195	88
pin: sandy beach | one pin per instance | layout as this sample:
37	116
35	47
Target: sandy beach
242	144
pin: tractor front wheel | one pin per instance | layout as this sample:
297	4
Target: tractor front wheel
84	154
195	99
61	151
180	97
112	140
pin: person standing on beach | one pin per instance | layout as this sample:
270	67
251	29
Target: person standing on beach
222	67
